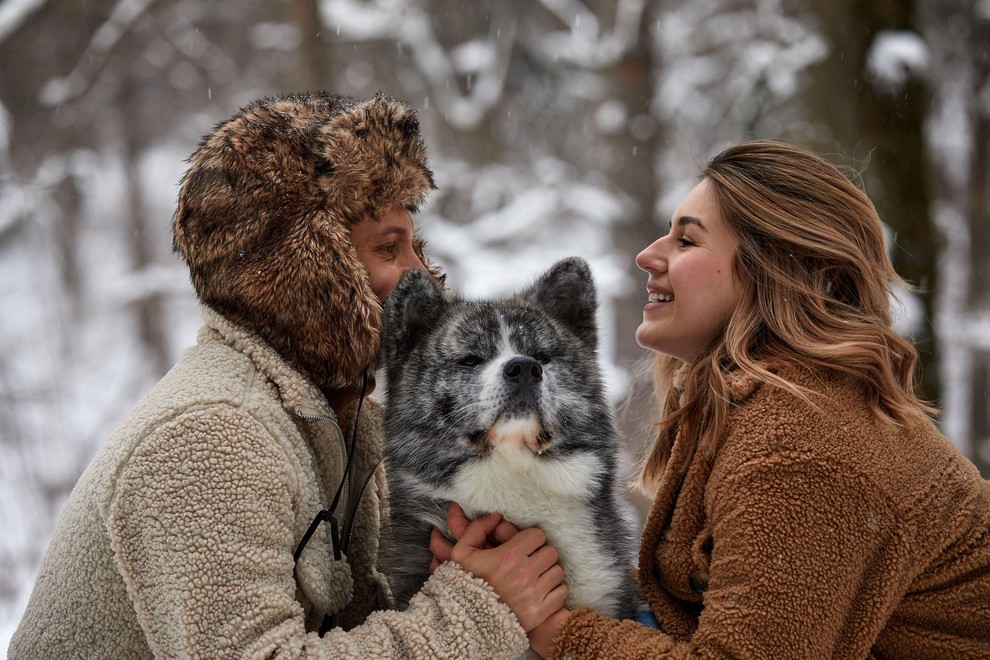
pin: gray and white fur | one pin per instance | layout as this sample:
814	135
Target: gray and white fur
499	406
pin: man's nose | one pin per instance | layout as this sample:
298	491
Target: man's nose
414	264
412	261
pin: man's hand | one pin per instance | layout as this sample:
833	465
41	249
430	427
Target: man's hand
457	522
518	564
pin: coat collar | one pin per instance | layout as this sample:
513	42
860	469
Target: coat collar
298	393
741	384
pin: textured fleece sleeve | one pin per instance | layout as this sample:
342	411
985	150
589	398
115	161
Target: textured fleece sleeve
589	634
455	615
201	525
804	560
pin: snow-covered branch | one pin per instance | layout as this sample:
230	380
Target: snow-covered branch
60	90
13	13
482	62
894	58
584	44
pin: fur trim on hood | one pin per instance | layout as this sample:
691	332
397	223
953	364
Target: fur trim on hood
264	215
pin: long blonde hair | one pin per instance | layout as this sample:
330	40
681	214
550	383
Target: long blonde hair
816	282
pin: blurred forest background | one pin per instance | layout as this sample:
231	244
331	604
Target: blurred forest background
556	128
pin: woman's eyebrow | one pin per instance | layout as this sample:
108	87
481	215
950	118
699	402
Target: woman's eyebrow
688	220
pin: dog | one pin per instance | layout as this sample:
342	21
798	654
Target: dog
499	406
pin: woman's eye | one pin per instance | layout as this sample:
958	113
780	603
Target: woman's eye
684	241
470	361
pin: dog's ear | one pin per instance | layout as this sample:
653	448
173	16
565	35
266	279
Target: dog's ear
413	306
567	293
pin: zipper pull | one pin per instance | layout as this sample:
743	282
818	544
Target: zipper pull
312	414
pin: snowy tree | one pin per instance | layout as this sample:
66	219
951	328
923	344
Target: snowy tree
556	128
958	141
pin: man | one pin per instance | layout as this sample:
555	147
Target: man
192	532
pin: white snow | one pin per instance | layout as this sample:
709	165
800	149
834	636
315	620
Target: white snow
611	117
72	364
13	13
894	58
276	36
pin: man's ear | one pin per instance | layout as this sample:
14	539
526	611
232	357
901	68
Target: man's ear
410	310
567	293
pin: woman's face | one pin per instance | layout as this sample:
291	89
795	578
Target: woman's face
692	284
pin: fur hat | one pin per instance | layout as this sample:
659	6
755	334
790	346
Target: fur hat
264	215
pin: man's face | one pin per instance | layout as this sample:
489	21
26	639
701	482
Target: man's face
385	248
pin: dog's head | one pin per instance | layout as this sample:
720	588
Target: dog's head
464	378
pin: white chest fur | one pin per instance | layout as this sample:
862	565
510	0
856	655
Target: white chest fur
554	495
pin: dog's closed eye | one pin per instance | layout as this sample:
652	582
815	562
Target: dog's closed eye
542	358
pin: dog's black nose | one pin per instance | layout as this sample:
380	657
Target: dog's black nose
523	370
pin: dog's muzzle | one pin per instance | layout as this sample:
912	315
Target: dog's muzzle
523	378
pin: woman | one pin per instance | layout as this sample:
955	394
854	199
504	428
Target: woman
805	505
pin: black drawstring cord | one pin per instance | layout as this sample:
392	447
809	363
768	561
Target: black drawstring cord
327	515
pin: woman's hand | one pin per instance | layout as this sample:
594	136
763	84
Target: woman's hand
522	568
541	637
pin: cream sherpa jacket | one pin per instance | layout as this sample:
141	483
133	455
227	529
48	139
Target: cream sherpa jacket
178	540
815	533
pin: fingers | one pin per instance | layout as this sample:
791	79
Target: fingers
504	532
551	579
440	547
532	607
539	610
557	598
475	536
528	540
457	520
524	570
544	558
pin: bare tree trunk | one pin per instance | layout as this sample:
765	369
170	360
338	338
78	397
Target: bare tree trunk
313	69
148	309
632	81
68	200
959	144
882	134
978	206
634	169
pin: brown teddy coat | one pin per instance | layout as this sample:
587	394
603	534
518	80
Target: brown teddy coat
177	541
815	533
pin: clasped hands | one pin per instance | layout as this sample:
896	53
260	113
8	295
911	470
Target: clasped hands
518	564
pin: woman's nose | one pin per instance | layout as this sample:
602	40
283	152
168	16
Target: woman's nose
652	258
